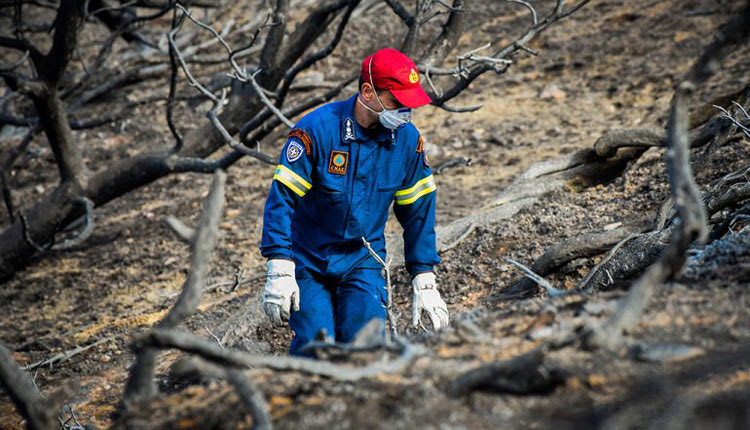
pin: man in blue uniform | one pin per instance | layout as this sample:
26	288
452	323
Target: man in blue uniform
341	168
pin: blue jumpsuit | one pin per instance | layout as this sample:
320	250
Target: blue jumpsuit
334	185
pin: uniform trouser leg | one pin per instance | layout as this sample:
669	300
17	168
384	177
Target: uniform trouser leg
315	313
359	297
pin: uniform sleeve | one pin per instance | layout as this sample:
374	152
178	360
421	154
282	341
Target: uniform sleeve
415	210
291	182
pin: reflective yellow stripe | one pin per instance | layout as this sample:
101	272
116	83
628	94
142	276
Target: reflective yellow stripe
292	180
415	186
412	194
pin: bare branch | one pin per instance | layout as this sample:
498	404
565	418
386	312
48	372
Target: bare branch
308	61
22	392
476	70
389	294
534	18
158	4
239	74
67	25
169	338
183	232
173	87
523	374
271	49
264	115
551	291
401	12
251	397
454	162
685	192
140	386
452	30
62	356
85	232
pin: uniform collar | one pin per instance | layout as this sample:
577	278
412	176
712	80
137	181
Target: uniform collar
352	131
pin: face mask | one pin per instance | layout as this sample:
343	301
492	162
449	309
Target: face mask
389	118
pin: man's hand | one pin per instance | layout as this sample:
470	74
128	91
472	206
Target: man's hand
281	293
427	299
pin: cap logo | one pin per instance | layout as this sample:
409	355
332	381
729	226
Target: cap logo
413	76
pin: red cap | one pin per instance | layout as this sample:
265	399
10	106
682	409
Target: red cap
394	71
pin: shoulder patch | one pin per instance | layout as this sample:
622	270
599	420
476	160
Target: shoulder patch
425	159
293	151
303	137
420	144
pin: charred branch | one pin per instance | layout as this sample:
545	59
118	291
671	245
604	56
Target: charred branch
88	227
54	121
453	29
166	338
140	386
156	4
609	143
41	414
499	60
685	192
59	208
272	47
524	374
308	61
183	231
67	26
116	19
582	246
250	395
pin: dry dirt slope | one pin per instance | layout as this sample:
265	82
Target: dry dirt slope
611	66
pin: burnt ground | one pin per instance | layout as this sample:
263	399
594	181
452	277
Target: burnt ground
610	66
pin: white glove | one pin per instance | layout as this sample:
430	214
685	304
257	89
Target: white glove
281	291
427	299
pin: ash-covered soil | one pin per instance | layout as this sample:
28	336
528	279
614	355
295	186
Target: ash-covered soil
612	65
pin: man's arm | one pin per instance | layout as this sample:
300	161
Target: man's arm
415	210
291	182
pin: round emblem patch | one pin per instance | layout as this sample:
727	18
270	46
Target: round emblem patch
294	151
338	160
413	76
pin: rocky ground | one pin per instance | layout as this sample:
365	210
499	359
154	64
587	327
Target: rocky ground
612	65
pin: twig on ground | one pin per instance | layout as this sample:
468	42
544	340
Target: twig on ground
66	354
182	230
86	230
551	291
454	162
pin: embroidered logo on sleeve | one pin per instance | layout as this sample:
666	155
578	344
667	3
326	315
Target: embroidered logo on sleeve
294	151
337	163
